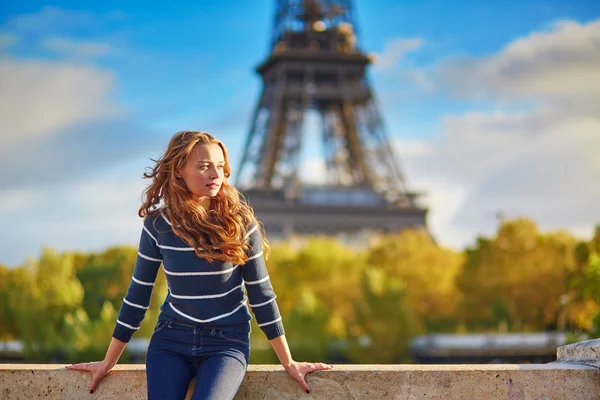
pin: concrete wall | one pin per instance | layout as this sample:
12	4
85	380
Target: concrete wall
575	376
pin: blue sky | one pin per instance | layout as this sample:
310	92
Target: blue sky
491	106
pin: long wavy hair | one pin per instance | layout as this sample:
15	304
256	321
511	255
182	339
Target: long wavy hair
216	233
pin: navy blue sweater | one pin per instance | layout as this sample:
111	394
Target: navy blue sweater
200	292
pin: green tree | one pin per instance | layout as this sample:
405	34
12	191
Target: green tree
89	338
106	276
317	286
337	306
8	328
516	279
387	321
582	301
427	273
58	318
47	290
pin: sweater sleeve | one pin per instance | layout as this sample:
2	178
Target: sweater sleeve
136	302
260	291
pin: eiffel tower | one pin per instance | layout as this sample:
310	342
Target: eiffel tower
316	66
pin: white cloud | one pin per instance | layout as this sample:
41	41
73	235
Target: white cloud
411	148
87	215
541	162
60	134
14	200
76	49
481	165
41	98
394	50
62	150
66	147
555	64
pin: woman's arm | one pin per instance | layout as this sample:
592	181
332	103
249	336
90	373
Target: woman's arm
296	370
115	349
262	302
282	350
100	369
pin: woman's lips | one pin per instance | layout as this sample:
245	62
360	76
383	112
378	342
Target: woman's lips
213	185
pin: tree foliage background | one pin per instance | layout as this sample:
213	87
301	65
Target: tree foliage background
339	304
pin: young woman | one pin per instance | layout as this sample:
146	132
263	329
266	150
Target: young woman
211	248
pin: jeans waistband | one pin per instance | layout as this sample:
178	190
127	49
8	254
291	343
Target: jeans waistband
237	328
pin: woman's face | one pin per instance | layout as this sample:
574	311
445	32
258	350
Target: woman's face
203	173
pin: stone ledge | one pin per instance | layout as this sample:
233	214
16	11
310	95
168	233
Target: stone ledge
587	353
502	381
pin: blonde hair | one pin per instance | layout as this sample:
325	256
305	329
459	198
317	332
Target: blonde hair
216	233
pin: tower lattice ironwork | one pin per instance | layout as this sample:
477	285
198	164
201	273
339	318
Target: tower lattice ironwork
316	65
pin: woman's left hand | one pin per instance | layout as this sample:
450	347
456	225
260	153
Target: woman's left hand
298	371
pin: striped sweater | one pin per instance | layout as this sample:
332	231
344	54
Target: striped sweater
199	292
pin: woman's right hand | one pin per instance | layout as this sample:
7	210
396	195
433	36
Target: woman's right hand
98	370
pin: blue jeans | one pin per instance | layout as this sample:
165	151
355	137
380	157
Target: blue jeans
179	352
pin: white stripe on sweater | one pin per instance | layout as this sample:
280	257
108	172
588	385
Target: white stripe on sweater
142	282
134	305
251	230
152	236
149	258
128	326
208	296
242	304
177	248
270	322
200	273
256	255
266	278
262	304
168	247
